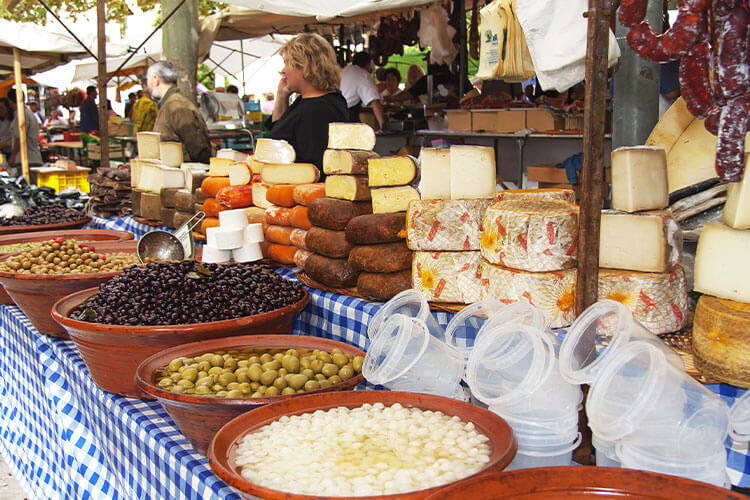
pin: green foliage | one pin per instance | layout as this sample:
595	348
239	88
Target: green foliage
206	77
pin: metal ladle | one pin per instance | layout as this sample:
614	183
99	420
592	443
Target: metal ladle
163	245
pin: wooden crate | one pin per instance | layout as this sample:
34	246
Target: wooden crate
498	120
458	119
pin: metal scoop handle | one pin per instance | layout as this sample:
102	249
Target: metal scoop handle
190	224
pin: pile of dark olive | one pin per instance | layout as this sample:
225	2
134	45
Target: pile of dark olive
41	215
61	256
174	293
258	373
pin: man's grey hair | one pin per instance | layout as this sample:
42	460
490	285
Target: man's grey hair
165	70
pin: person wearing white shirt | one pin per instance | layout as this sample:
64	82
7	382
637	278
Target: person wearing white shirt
359	89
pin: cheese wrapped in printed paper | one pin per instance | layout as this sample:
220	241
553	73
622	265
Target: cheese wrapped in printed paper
552	292
447	276
644	241
538	194
657	300
445	225
531	235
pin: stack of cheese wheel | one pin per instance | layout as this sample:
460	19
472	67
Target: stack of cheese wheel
347	195
721	326
287	222
233	239
444	228
640	243
529	244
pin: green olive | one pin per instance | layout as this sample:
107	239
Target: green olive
207	381
204	366
287	390
265	358
232	385
166	382
304	363
271	392
329	369
243	363
254	372
308	373
245	388
324	383
202	389
268	377
254	360
190	374
215	370
312	385
357	363
324	357
217	387
339	359
292	352
254	386
217	360
283	371
226	377
230	363
320	376
178	389
346	372
297	380
234	393
175	364
280	383
256	395
222	394
290	363
278	356
335	379
271	365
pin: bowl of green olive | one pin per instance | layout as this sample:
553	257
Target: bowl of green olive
204	385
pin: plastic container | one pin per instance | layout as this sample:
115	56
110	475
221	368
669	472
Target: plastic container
60	179
509	363
410	303
554	403
606	456
598	332
739	417
640	395
403	356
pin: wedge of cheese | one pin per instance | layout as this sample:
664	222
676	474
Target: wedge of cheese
646	241
170	153
392	199
531	235
657	300
448	276
445	225
259	195
148	145
347	187
255	165
722	266
435	174
537	194
737	208
351	136
345	161
164	177
392	171
274	151
472	172
232	154
291	173
552	292
639	179
219	167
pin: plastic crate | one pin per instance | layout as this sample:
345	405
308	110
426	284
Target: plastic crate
61	179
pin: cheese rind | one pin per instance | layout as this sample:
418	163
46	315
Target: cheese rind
391	171
435	175
472	172
737	208
219	167
170	153
150	205
148	145
291	173
274	151
344	161
239	174
722	266
552	292
639	179
347	187
537	194
448	276
392	199
647	241
657	300
445	225
531	235
351	136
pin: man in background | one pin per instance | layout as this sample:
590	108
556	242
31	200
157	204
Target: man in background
359	89
89	111
129	106
32	137
34	107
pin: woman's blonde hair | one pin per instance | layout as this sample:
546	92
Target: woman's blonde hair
312	54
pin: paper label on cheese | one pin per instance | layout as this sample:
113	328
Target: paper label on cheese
447	276
445	225
538	194
657	300
645	241
552	292
531	235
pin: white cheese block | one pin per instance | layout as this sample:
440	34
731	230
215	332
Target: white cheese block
148	173
255	165
347	187
226	239
274	151
211	236
253	233
531	235
722	263
231	154
647	241
292	173
170	153
351	136
233	219
193	177
448	276
249	252
391	171
215	255
737	208
445	225
135	172
158	178
259	195
219	167
343	161
392	199
148	145
473	172
240	174
435	179
639	179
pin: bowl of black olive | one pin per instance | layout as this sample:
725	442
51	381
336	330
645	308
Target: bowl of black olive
44	218
147	309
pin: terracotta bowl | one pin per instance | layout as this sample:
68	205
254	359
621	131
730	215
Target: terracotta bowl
200	417
76	234
221	451
558	483
113	352
45	227
35	294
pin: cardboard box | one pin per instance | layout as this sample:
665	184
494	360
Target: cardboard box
540	119
459	119
498	120
568	121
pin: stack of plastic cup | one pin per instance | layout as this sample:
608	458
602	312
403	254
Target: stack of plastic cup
410	303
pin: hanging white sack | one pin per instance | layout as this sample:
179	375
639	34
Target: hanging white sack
435	32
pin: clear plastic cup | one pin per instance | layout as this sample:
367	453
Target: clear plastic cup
463	329
555	402
410	303
404	356
739	416
509	363
606	455
640	395
598	332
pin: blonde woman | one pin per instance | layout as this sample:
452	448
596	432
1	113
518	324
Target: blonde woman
310	70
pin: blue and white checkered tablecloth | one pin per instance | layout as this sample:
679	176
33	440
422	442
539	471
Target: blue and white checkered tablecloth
127	223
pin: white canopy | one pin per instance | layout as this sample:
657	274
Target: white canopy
328	10
228	57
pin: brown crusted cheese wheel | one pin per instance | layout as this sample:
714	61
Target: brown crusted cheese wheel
331	272
328	242
331	213
384	258
383	286
376	228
